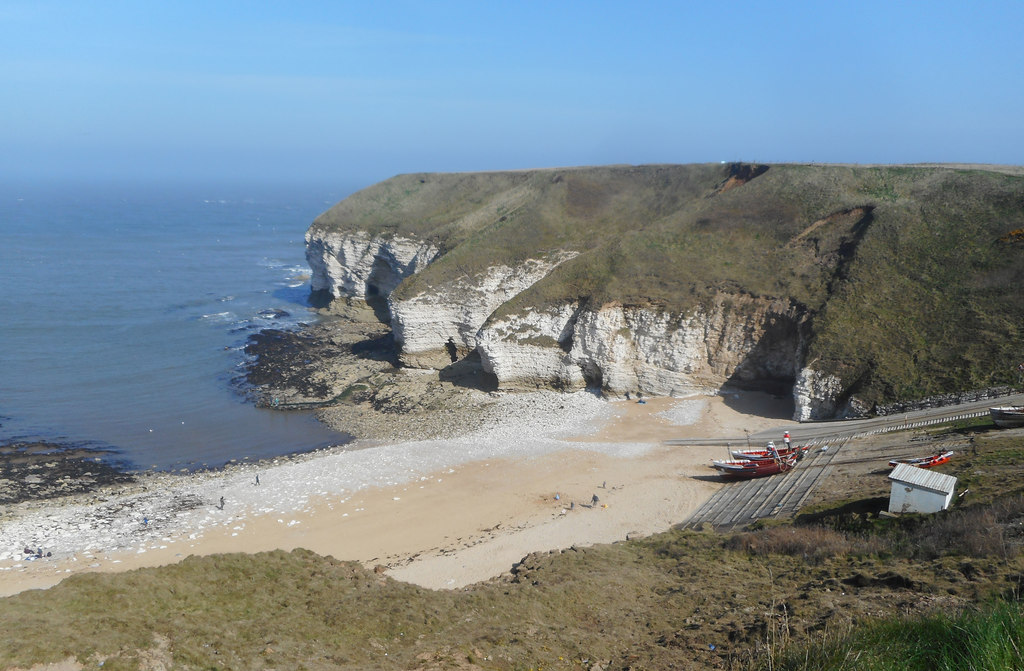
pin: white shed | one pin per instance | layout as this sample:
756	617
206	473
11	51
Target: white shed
918	490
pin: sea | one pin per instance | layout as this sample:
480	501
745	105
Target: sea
124	311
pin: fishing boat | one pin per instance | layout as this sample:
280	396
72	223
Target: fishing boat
1008	416
742	469
923	462
755	455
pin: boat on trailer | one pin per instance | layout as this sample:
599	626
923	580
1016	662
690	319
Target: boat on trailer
743	469
756	455
924	462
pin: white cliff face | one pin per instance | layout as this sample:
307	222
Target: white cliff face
631	349
357	265
628	349
424	323
532	350
816	395
618	348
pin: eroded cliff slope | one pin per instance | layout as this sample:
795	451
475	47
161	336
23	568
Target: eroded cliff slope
844	286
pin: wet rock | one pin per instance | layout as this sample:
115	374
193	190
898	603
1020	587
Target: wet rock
39	470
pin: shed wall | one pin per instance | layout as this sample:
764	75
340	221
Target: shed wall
906	498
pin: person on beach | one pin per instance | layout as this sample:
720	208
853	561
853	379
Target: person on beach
222	503
785	439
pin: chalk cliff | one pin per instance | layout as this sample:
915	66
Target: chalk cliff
360	265
643	348
621	349
427	325
670	279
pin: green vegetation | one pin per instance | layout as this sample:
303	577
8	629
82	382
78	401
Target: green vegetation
908	277
990	639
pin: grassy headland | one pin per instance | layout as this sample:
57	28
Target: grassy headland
908	276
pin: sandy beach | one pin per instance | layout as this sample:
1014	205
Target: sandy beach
441	514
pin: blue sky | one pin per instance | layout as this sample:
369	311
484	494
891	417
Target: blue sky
338	92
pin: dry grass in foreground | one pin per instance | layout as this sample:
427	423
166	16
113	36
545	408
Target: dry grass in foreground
676	600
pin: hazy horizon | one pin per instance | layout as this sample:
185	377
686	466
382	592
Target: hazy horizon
347	95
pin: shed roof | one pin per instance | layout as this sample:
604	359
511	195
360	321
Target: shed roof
923	478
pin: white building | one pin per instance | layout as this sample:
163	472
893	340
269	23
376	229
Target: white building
918	490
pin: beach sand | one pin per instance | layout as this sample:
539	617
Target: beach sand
441	514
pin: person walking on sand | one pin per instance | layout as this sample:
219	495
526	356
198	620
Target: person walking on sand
222	503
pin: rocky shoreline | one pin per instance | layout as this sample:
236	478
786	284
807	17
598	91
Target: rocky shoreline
345	368
79	502
37	470
165	516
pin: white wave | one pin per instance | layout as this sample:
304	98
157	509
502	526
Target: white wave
219	316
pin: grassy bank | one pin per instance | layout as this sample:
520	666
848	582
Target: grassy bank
677	600
988	639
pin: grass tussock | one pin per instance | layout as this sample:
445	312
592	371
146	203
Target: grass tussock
970	532
813	543
983	530
989	639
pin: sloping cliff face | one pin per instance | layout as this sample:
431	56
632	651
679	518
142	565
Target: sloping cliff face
359	265
428	325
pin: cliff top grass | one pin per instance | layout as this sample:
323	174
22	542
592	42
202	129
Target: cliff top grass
908	276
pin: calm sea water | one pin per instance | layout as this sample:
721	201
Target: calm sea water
124	310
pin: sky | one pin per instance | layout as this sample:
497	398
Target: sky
352	93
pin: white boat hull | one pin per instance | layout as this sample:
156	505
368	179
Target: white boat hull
1008	417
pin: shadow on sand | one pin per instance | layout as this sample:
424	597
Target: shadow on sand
759	403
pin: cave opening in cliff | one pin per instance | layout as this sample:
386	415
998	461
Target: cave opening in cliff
379	304
593	376
771	366
469	372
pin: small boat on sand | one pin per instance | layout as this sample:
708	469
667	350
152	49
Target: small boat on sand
1008	416
742	469
923	462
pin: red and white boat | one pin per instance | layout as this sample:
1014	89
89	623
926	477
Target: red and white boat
756	455
741	469
924	462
